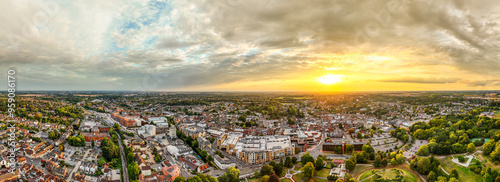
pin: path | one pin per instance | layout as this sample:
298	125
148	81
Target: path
77	166
368	177
445	171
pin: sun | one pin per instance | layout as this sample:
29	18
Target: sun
330	79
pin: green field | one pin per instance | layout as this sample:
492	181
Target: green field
464	173
389	174
323	173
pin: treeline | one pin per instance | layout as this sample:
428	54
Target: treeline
452	135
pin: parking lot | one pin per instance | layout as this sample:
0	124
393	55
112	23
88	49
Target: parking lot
414	148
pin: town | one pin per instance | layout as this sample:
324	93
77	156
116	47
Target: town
147	137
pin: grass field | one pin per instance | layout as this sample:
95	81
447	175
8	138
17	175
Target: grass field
359	171
286	180
464	173
388	174
297	177
323	173
487	161
297	167
497	115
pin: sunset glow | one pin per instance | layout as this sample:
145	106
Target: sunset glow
330	79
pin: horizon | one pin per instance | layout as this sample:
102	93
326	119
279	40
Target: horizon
251	46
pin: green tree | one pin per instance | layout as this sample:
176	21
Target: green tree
264	178
306	158
319	163
349	165
471	148
332	177
294	160
454	173
308	171
180	179
431	177
266	170
231	175
133	170
288	162
394	162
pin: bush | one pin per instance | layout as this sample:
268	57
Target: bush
461	158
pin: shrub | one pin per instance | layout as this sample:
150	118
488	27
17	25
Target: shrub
461	158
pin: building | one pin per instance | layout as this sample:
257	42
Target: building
193	132
148	129
157	120
261	149
146	170
203	142
95	136
172	170
172	132
224	163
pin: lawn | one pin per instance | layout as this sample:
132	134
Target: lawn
464	173
487	161
323	173
286	180
254	179
297	177
297	167
389	174
320	180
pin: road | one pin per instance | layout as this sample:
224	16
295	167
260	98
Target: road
77	166
124	160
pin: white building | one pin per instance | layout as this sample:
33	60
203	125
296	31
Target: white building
223	163
148	129
157	120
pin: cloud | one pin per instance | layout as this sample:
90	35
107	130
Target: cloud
115	45
421	80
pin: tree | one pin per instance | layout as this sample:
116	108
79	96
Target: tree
349	148
264	178
274	178
461	158
400	158
266	170
133	170
308	170
180	179
319	163
306	158
61	147
394	162
454	174
349	165
288	162
471	148
488	147
294	160
332	177
93	144
378	161
431	177
423	165
231	175
423	150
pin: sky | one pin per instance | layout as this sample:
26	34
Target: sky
239	45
